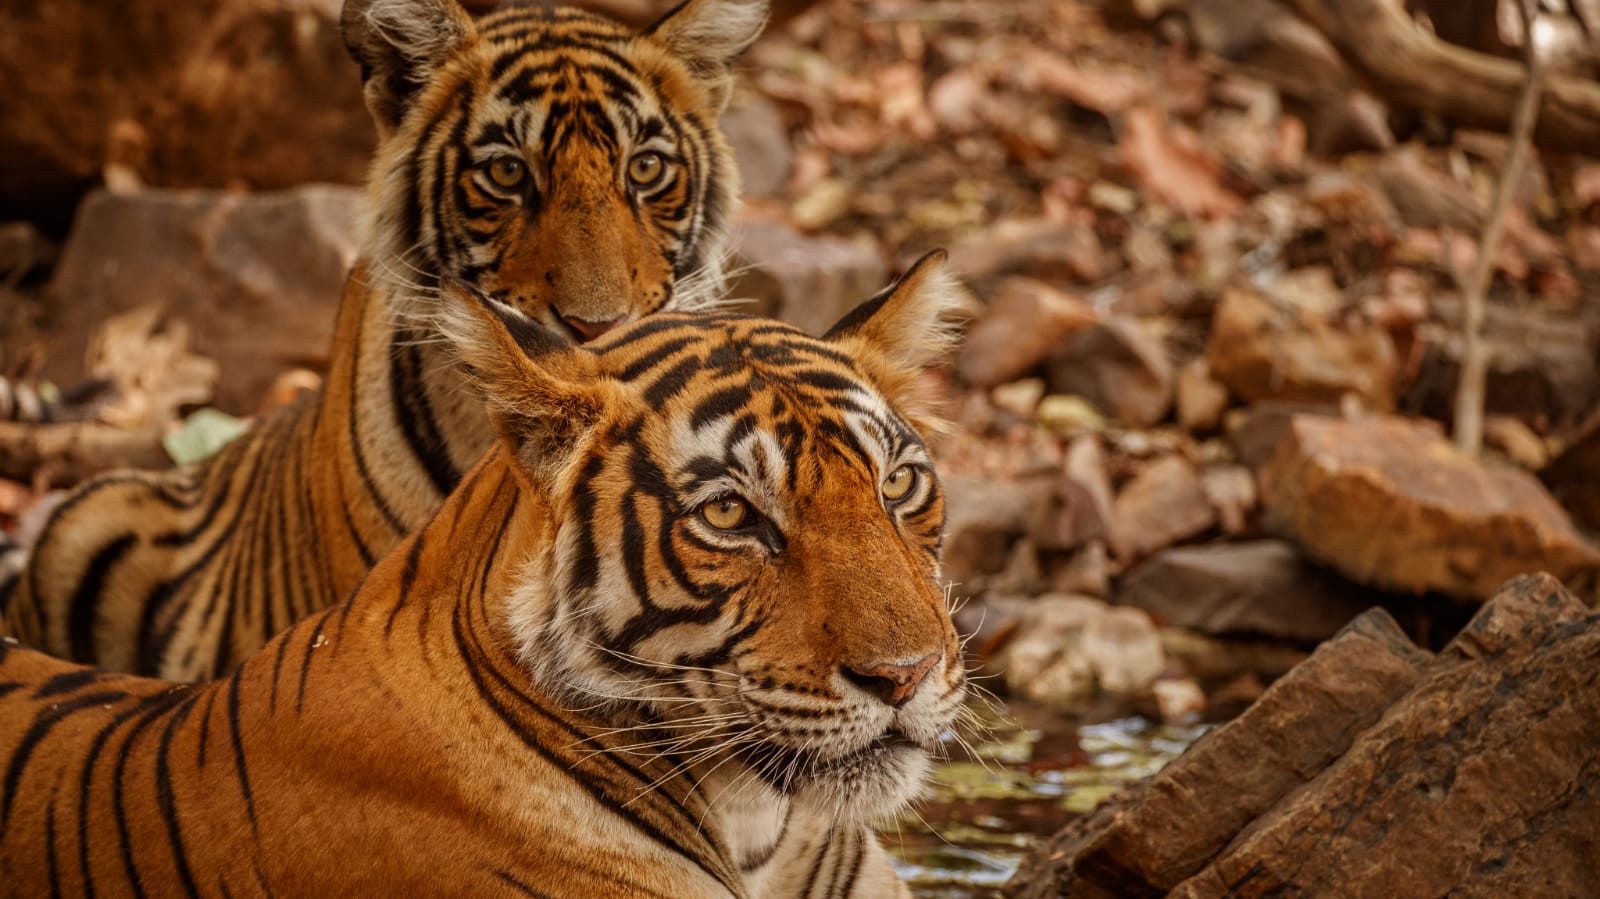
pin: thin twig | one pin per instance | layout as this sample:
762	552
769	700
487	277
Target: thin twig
1470	387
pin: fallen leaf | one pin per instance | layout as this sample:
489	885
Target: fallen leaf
1173	166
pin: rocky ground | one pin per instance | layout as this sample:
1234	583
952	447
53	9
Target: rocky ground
1201	416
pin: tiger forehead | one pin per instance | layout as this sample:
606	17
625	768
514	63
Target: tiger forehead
677	350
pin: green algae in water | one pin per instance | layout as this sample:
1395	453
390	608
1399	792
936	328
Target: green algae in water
984	810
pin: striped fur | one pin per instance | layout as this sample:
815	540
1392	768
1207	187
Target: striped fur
184	574
571	682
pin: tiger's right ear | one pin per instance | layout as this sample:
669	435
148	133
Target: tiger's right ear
399	45
543	394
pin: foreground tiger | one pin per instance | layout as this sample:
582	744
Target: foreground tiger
551	159
678	635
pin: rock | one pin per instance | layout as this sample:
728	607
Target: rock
1178	700
1068	416
985	517
1391	503
1574	476
1232	492
1084	509
1476	783
255	277
1025	321
1173	824
1118	365
1068	648
1514	438
1086	571
23	250
1259	588
1020	397
760	142
1201	398
1022	574
1255	432
1225	660
1038	248
256	93
1163	504
809	281
1265	350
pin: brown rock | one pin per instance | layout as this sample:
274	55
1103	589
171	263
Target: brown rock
1265	350
1477	783
1259	588
1574	476
1087	571
809	281
1025	321
1083	511
986	516
1177	821
256	277
1069	648
1118	365
1255	432
760	142
1232	492
1038	248
1201	398
1372	770
239	92
1163	504
1390	502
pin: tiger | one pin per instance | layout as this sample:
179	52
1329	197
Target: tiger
679	633
559	162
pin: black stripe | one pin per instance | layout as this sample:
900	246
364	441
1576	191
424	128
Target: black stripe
81	612
239	764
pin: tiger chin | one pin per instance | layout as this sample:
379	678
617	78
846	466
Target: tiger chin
676	636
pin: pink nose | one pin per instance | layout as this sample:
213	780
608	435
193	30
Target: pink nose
893	684
590	330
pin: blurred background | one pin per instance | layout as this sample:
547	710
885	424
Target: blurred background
1210	406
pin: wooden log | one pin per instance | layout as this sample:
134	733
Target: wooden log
68	452
1409	66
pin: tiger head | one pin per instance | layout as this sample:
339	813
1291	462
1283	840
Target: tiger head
744	534
555	160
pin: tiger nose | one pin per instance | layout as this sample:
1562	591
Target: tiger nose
892	683
590	330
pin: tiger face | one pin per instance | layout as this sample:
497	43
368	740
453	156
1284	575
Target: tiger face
557	161
746	538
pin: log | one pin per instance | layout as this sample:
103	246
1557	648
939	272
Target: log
72	451
1407	65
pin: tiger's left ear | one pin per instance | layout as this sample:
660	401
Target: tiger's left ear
708	35
543	394
905	328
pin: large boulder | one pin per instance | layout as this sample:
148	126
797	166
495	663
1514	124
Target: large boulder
256	277
1373	769
1391	503
254	93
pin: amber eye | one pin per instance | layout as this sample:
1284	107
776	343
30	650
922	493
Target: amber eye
507	171
645	169
727	513
899	482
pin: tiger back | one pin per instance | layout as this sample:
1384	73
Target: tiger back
552	159
680	634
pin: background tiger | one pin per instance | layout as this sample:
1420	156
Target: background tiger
678	635
554	160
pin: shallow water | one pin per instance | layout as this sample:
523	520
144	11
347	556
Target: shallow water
1028	776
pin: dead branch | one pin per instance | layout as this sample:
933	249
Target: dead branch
1475	291
1412	67
68	452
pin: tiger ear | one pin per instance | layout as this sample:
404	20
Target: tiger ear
399	45
708	35
543	394
904	329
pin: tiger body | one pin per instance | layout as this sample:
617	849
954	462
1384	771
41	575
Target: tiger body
513	153
576	680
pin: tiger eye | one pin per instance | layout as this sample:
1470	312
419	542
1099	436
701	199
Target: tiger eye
507	171
899	482
725	514
645	169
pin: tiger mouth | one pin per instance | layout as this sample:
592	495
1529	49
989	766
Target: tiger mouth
787	769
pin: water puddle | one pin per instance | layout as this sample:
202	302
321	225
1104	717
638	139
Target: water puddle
1022	781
